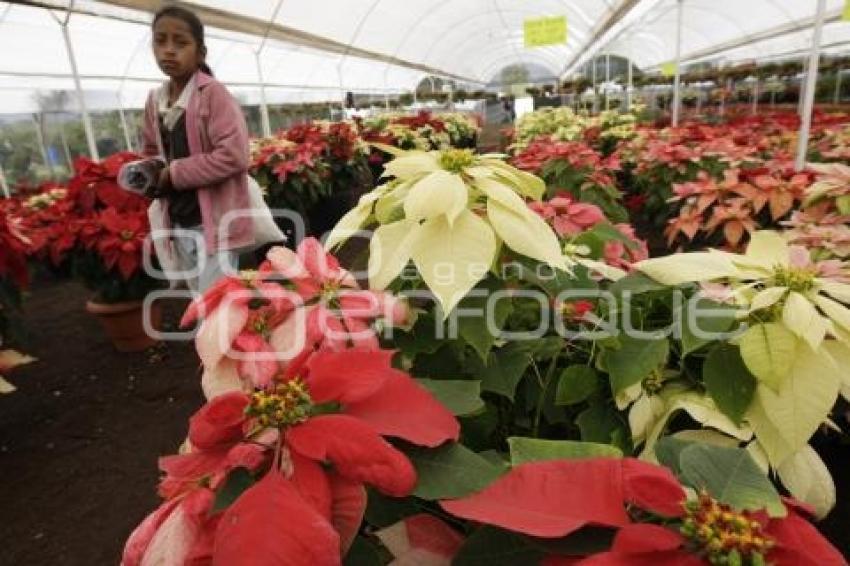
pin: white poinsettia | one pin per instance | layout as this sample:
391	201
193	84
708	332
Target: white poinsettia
797	344
778	283
450	212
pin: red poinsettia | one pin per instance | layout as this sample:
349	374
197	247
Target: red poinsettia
13	248
122	240
554	499
315	436
712	532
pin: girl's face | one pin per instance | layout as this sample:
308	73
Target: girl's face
177	53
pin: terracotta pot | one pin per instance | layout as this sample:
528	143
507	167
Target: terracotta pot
124	323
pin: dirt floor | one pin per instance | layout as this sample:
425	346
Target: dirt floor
80	438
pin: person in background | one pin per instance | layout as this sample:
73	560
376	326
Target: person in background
196	127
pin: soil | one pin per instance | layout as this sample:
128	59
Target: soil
79	440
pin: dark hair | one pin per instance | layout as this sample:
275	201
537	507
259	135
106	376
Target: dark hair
196	28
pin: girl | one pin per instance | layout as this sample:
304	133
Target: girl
198	129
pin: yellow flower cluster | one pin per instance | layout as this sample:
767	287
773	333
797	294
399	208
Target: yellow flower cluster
286	405
723	535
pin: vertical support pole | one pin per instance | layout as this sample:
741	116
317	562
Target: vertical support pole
630	85
264	108
811	80
595	92
837	98
802	94
3	184
39	136
677	95
66	147
607	80
756	97
124	126
79	88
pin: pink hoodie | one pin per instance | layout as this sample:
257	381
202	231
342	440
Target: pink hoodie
218	165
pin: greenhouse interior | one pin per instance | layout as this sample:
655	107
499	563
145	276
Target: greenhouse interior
433	282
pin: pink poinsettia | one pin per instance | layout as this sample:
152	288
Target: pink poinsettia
618	254
314	436
255	324
566	216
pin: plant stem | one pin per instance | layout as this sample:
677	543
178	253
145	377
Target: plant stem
550	372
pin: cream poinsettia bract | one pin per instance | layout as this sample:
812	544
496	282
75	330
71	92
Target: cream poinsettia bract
450	212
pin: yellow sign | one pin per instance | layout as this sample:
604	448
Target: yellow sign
545	31
846	14
668	69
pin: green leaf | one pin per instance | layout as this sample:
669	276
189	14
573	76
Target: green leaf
637	283
768	350
450	471
363	552
728	381
504	370
422	338
236	483
634	360
575	385
584	542
473	327
668	451
460	396
536	450
543	349
383	510
610	232
598	423
552	281
490	546
717	318
731	476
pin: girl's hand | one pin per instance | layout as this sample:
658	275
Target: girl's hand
164	184
162	187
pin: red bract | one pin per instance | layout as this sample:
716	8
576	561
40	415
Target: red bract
714	532
554	499
578	154
122	241
319	429
271	523
13	247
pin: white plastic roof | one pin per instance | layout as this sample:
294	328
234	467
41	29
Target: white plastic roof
729	31
317	49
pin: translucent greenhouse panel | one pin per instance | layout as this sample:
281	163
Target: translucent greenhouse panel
836	37
31	31
711	28
103	46
434	32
